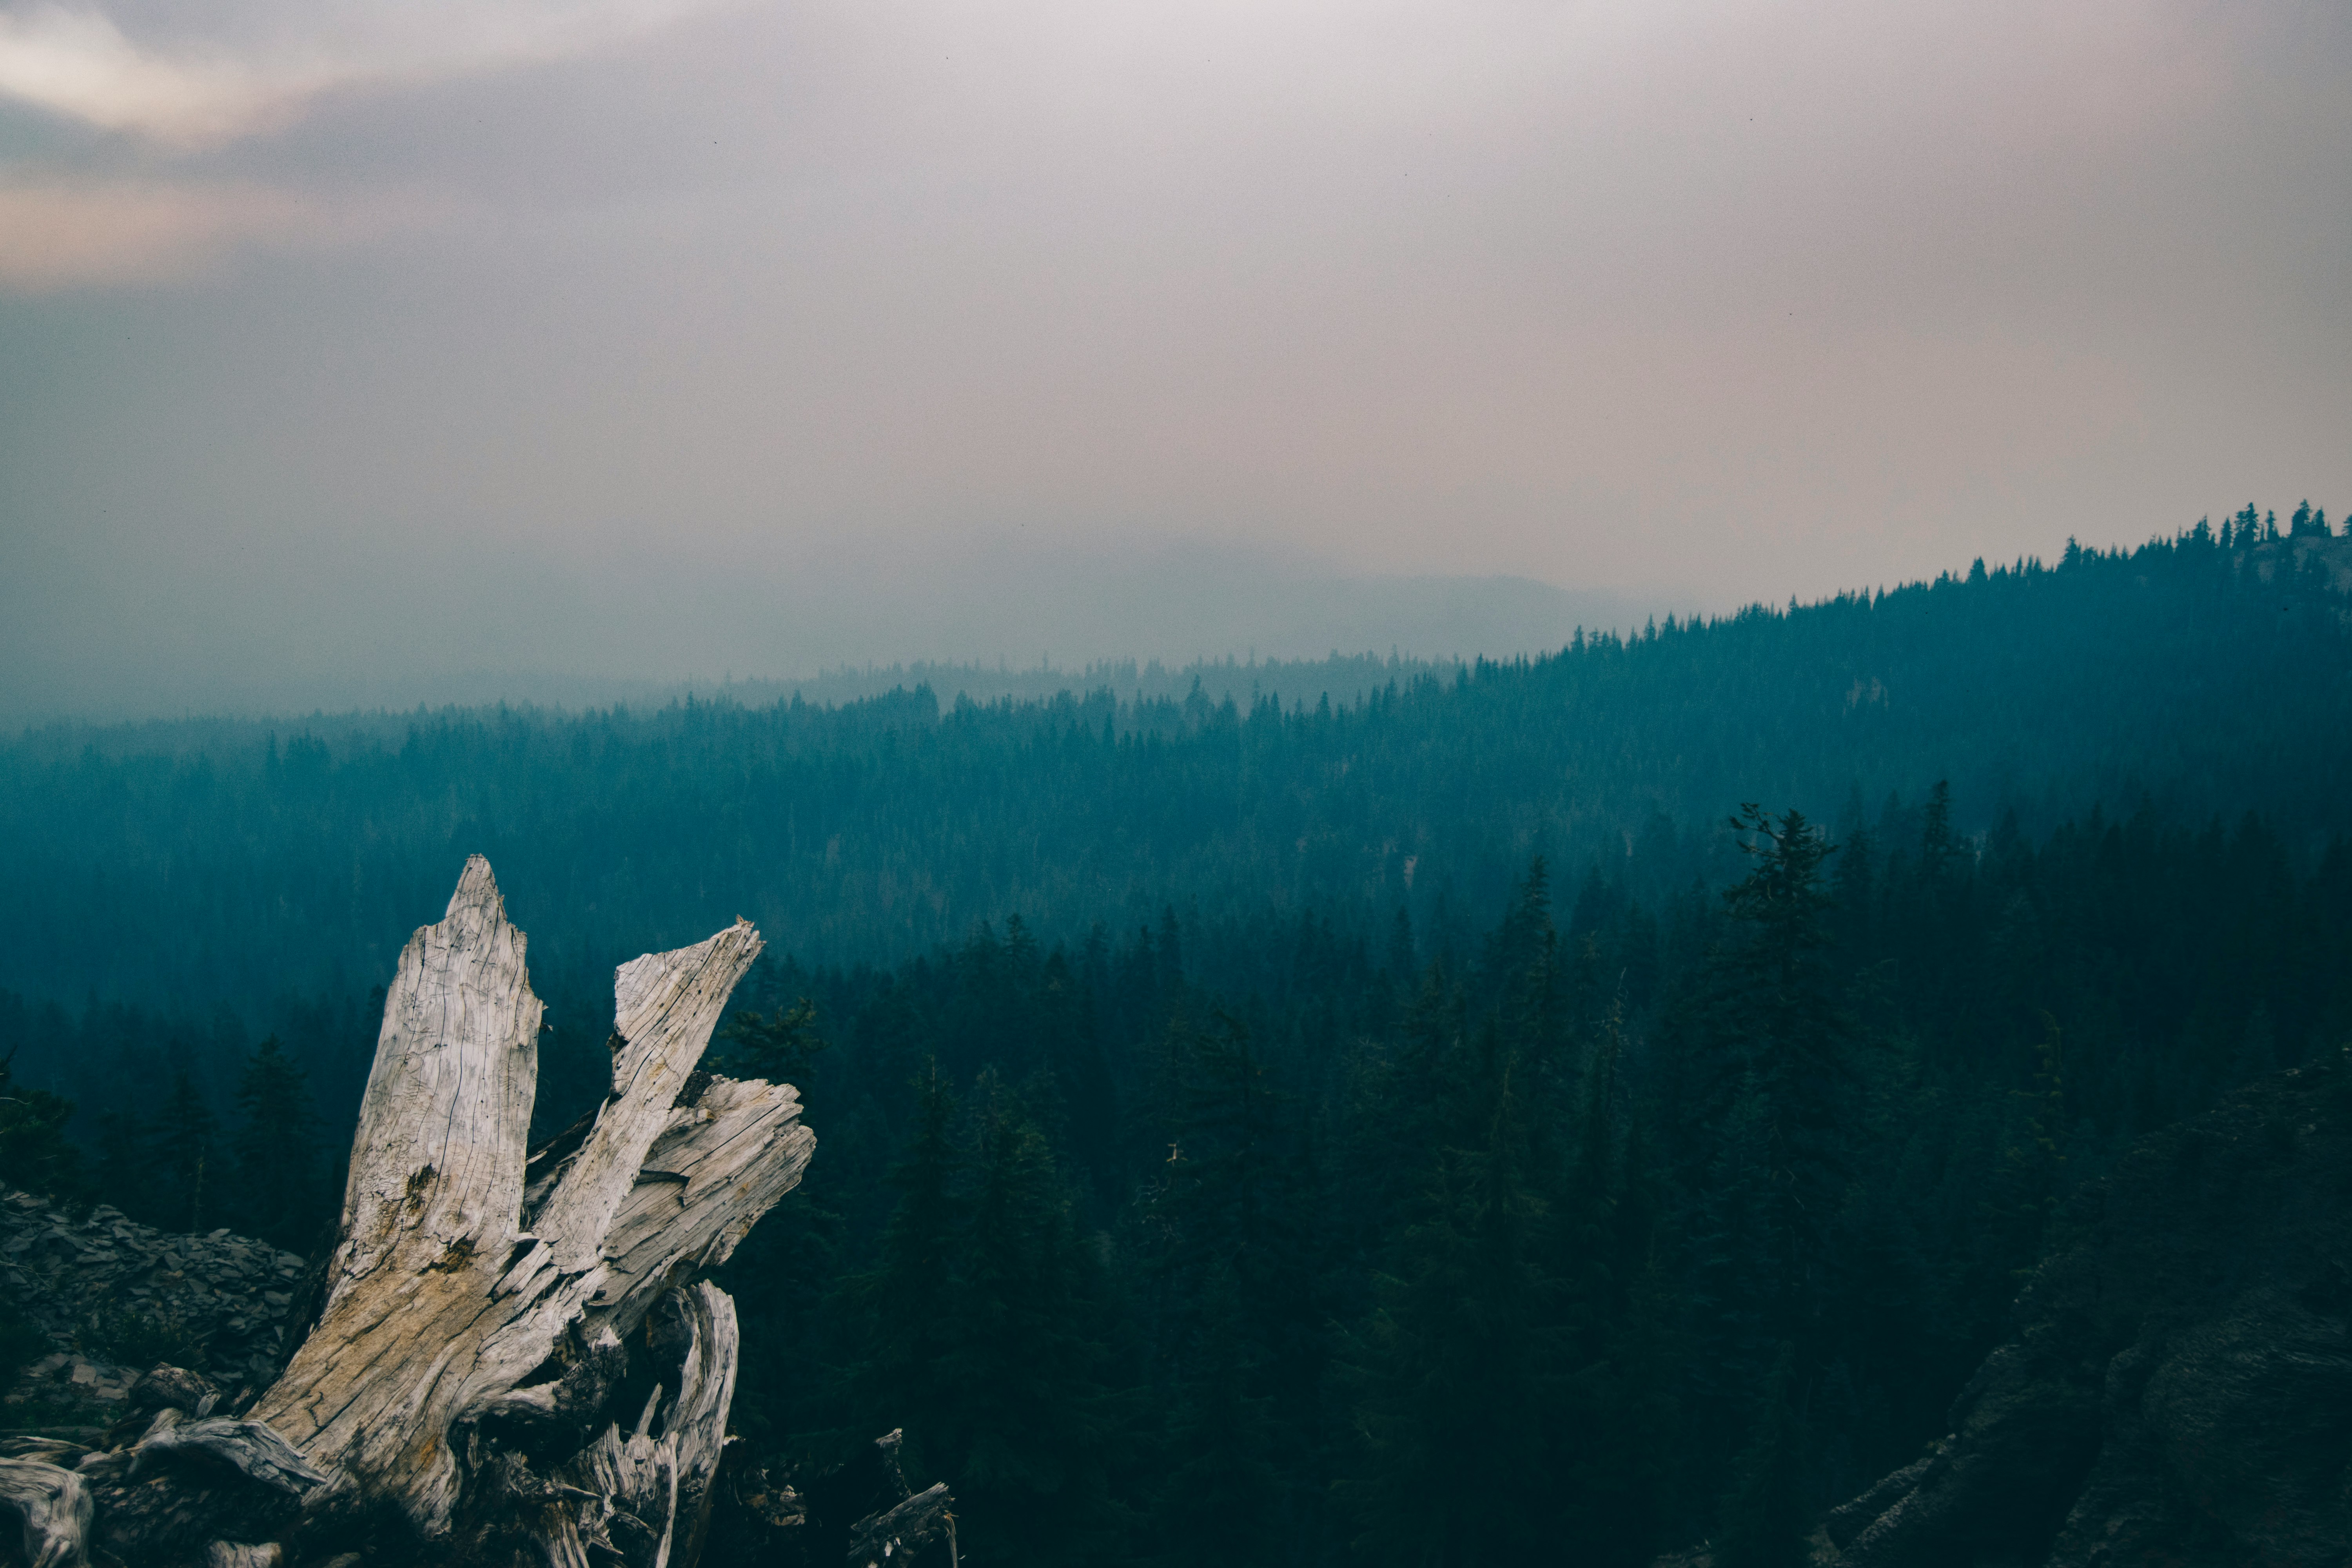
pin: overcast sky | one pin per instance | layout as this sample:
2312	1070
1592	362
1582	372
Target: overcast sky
349	340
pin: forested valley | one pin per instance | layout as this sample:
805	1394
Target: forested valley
1562	1112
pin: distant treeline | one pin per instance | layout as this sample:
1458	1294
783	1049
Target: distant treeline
1309	1238
1427	1129
2209	677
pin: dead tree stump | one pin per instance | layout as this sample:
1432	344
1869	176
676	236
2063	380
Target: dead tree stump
486	1305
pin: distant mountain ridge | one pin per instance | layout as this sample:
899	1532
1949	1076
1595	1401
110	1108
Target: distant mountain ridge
1020	625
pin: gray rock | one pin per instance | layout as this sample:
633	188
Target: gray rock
100	1286
2179	1385
175	1388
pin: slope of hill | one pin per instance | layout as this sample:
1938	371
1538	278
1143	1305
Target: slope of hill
2177	1385
1218	1100
242	861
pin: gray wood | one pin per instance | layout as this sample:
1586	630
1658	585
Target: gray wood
249	1447
441	1303
54	1508
238	1555
482	1304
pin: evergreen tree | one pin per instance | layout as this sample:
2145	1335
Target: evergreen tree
905	1309
182	1170
1036	1428
281	1193
2025	1184
1736	1289
1784	1033
1767	1517
34	1152
122	1178
1222	1501
779	1046
1612	1426
1460	1360
1233	1293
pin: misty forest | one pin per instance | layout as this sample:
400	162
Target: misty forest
1641	1099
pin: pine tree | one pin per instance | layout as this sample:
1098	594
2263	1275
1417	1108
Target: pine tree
1232	1284
281	1190
182	1169
2024	1189
1462	1359
1034	1429
1790	1041
1765	1519
905	1310
1613	1421
1071	1041
1736	1288
1222	1498
122	1163
779	1046
1525	973
34	1153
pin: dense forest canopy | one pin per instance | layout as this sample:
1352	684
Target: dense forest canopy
1423	1128
259	860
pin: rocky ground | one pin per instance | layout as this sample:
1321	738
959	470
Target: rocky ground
143	1344
110	1300
2177	1389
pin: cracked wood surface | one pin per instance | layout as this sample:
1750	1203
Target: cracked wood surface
430	1213
645	1498
442	1304
53	1508
719	1166
252	1448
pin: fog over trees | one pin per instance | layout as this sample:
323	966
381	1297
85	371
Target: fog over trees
1611	1097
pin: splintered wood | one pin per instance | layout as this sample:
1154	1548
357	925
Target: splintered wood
54	1506
475	1286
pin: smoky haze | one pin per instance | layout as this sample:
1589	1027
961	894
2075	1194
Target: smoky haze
348	347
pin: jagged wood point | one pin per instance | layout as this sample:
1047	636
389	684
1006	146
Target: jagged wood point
483	1303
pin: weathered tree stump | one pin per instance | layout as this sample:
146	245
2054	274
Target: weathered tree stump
53	1507
487	1307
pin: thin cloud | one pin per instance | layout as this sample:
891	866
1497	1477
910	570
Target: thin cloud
57	235
80	65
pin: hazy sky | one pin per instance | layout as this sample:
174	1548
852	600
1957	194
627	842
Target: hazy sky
344	338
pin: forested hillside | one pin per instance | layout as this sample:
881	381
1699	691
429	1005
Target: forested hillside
233	863
1425	1128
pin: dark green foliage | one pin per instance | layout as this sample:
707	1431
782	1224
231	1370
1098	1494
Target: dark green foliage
1228	1153
228	861
34	1152
184	1168
281	1193
777	1045
1767	1516
121	1176
1225	1258
905	1310
1463	1357
1032	1419
133	1335
1473	1260
21	1341
1222	1493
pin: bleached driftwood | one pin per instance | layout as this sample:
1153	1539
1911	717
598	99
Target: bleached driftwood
54	1508
475	1288
486	1309
725	1155
238	1555
904	1531
646	1497
250	1449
